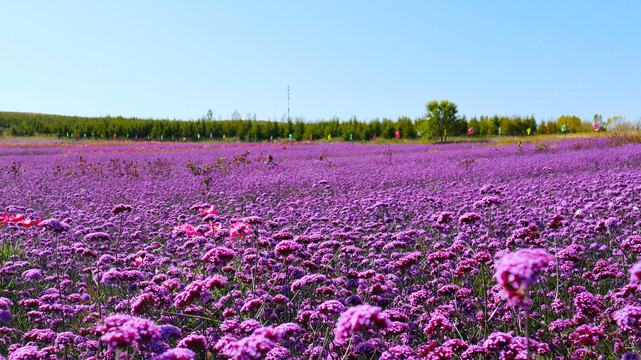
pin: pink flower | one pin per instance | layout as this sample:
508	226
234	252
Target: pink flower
187	229
239	229
213	228
208	211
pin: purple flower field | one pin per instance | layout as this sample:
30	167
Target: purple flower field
458	251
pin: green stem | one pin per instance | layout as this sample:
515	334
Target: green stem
527	333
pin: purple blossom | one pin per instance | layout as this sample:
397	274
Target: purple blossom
55	225
398	352
176	354
121	331
256	346
5	316
635	273
628	318
120	208
42	335
358	319
331	307
32	275
307	280
97	236
219	256
168	331
469	218
517	271
630	356
286	247
28	352
193	342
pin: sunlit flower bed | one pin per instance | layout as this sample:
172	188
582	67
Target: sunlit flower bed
332	251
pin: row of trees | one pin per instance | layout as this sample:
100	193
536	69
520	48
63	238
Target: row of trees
440	121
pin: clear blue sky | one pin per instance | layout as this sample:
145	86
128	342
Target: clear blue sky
177	59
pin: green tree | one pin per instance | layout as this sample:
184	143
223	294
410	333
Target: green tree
442	118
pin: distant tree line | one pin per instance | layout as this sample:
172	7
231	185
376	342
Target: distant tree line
441	121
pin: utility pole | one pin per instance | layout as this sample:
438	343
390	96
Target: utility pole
287	102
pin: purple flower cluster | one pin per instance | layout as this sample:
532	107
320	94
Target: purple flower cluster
362	256
121	331
357	319
517	271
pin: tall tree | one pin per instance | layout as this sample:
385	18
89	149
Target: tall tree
442	118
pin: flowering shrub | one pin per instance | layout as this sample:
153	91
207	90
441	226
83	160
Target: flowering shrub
528	255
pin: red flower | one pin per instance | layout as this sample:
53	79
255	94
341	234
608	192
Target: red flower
16	217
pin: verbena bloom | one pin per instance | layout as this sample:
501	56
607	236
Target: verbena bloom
469	218
168	331
120	208
5	315
122	330
331	307
635	273
517	271
249	325
55	225
632	243
176	354
630	356
629	319
42	335
32	275
97	236
5	303
586	335
193	342
142	303
278	353
308	279
197	289
289	329
219	256
359	319
253	347
488	201
28	352
286	247
398	352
